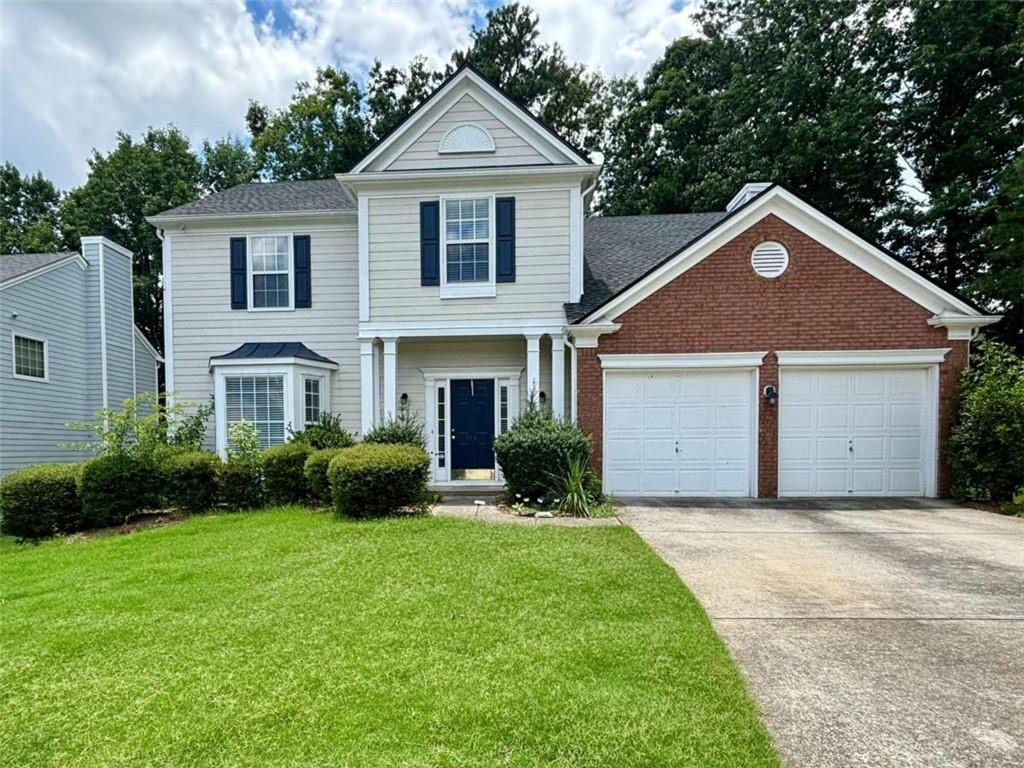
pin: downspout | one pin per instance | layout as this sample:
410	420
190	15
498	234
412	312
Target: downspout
572	379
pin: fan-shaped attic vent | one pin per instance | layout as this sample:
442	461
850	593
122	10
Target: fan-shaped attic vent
466	138
769	259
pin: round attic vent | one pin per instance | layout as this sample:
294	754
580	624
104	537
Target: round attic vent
769	259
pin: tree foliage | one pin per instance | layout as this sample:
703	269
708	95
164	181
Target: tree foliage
225	163
31	212
135	180
1001	279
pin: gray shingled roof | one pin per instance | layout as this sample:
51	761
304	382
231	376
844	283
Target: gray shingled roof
270	197
16	264
619	250
269	350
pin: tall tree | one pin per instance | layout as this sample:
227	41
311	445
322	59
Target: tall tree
778	90
568	97
135	180
960	120
1001	282
323	131
29	212
225	163
392	92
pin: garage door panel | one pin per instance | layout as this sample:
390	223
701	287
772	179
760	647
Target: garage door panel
693	436
881	414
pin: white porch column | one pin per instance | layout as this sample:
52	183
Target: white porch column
557	376
533	367
390	381
366	384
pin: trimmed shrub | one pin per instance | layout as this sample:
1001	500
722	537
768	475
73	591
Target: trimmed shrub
315	471
115	487
535	446
283	473
240	478
191	480
41	501
326	433
378	480
986	447
404	430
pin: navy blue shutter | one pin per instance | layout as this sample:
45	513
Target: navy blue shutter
505	212
430	243
238	270
303	282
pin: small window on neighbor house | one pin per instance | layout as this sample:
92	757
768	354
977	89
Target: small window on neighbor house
259	400
29	358
271	272
467	230
441	428
503	410
312	401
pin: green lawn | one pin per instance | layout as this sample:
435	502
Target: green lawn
288	638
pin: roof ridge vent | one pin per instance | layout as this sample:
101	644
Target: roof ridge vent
749	190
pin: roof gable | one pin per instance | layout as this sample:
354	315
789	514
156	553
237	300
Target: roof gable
801	215
520	125
16	267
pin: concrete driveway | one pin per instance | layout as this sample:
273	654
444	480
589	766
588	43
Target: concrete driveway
871	634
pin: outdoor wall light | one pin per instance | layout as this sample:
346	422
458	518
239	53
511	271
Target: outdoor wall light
403	402
771	394
543	397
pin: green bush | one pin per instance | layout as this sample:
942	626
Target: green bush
240	478
531	447
326	433
283	473
315	471
41	501
378	480
404	430
986	447
190	480
115	487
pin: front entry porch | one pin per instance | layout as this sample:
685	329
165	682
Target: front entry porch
465	392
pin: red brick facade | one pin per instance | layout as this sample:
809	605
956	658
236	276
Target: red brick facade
820	302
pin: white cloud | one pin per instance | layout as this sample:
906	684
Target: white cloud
73	73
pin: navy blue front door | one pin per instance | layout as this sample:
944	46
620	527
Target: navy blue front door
472	423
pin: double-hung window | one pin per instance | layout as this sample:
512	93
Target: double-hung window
258	400
311	400
271	272
468	247
29	358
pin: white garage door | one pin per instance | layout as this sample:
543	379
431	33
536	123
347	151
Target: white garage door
861	432
679	434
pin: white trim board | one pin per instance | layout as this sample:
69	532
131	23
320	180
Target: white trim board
242	362
691	360
801	216
463	82
847	358
441	328
71	258
149	347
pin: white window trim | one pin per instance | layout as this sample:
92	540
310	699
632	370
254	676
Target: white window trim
292	369
686	360
46	358
469	290
320	398
859	357
251	273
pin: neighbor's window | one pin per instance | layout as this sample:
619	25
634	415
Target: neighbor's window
29	357
467	230
271	265
312	400
260	400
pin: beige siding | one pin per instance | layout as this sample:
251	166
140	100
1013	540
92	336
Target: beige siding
415	355
205	325
542	263
510	148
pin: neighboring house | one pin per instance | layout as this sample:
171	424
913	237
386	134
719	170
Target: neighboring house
68	347
756	351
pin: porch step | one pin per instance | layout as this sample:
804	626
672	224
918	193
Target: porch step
467	494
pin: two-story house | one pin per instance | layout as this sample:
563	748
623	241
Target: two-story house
453	273
68	347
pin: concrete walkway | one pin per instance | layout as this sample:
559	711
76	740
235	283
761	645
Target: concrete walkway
871	633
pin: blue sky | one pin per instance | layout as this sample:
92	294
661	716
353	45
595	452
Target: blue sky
75	72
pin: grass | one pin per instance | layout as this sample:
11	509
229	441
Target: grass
288	638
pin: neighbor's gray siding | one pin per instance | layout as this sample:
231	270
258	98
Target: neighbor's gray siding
205	325
510	148
33	414
117	275
146	376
